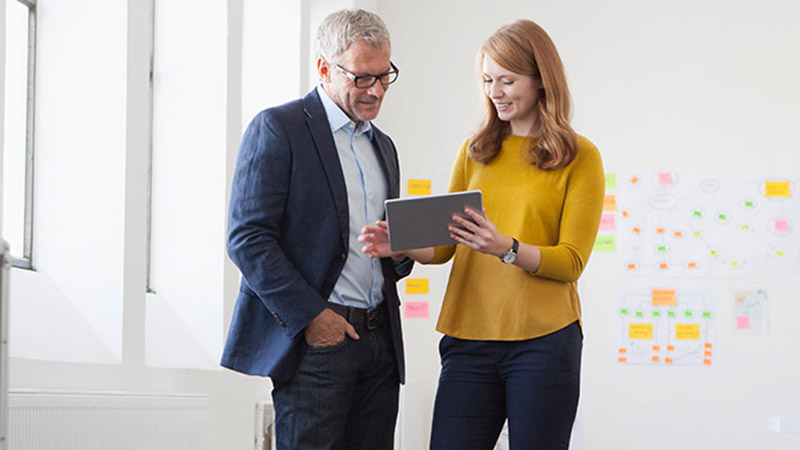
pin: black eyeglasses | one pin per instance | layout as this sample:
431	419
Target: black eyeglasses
367	81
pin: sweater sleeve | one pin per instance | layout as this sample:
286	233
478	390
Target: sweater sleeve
580	219
458	183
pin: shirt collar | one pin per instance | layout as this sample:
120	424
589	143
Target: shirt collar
337	119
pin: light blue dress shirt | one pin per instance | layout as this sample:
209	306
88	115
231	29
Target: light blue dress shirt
361	281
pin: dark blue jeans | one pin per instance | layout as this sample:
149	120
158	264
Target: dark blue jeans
343	397
534	383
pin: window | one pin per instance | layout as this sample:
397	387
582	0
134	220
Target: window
18	136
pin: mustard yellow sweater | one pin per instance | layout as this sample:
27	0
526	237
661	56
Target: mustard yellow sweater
557	210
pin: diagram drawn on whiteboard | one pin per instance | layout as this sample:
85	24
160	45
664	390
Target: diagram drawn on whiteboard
693	224
665	326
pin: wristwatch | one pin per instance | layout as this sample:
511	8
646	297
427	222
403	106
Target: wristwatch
510	256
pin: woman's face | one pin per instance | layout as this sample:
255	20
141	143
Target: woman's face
514	96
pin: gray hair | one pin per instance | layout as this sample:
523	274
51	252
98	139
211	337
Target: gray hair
343	27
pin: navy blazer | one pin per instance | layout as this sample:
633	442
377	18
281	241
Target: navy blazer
288	234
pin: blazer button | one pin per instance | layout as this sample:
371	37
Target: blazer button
343	256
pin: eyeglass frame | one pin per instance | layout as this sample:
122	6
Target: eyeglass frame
395	70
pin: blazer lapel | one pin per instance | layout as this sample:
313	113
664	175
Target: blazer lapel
320	130
388	159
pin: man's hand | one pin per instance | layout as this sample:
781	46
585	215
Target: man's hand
328	329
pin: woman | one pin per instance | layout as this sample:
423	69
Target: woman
511	314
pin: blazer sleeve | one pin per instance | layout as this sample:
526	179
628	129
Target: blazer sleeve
259	196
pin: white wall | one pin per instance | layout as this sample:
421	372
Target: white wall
683	84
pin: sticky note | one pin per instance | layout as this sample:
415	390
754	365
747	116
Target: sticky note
687	331
655	358
622	359
640	331
745	227
416	286
611	181
697	214
623	311
610	203
749	204
631	266
664	297
691	265
707	353
671	314
677	234
656	313
777	189
664	178
697	234
743	323
636	230
639	314
708	345
623	350
663	266
656	348
706	314
661	248
625	214
670	348
667	360
416	310
781	225
634	180
722	216
419	187
605	243
660	230
706	362
608	222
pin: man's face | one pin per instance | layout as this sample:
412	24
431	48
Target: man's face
359	59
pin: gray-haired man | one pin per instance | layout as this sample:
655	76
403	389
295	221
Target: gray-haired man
314	313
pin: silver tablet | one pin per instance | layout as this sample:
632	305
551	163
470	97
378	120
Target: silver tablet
422	221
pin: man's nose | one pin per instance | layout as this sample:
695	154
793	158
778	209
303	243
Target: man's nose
377	89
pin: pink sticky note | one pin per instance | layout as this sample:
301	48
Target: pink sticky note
781	224
416	310
743	322
664	178
607	222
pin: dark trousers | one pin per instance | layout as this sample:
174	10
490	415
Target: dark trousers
343	397
534	383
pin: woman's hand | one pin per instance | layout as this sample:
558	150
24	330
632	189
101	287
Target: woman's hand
479	233
377	239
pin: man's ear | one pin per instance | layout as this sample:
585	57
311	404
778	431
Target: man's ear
323	69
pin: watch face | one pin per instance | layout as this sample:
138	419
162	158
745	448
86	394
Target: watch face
509	257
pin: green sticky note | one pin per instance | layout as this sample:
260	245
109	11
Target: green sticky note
749	203
687	314
639	314
623	311
605	243
723	217
611	181
671	314
662	248
698	213
656	314
706	314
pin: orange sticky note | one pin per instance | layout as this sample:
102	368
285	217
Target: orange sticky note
708	345
634	180
656	348
624	214
678	234
670	348
667	360
691	265
610	203
664	297
623	350
663	266
636	230
707	362
622	359
707	353
660	230
416	310
631	266
655	358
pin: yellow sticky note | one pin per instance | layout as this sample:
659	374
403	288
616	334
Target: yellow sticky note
687	331
610	203
416	286
419	187
664	297
640	331
777	189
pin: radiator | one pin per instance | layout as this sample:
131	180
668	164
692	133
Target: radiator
106	421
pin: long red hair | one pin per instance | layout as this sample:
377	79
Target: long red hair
523	47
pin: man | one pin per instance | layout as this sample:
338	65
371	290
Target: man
314	312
